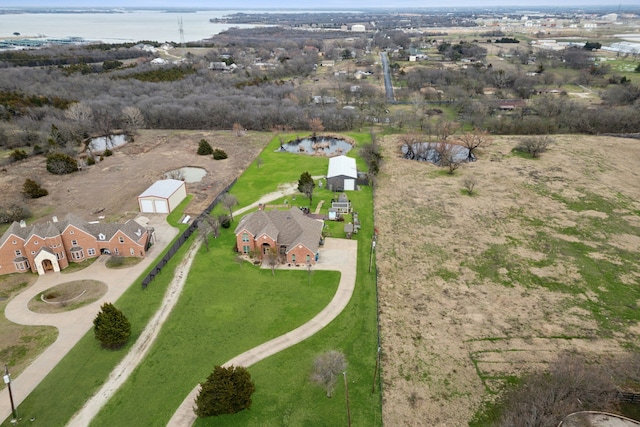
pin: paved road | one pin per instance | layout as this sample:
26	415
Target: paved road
72	325
388	86
337	254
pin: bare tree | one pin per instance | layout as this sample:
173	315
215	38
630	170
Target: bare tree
544	399
444	129
534	145
238	129
272	259
316	126
326	369
208	226
469	183
476	139
133	119
229	201
447	154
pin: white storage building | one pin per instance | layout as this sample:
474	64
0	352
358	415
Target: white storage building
342	174
163	196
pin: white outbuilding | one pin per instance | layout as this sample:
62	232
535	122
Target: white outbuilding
163	196
342	174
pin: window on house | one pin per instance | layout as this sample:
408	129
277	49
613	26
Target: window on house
245	237
132	252
293	257
117	251
121	239
308	259
91	251
60	255
18	252
70	231
33	252
246	249
35	242
74	243
77	254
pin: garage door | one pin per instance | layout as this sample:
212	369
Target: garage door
161	206
349	184
146	206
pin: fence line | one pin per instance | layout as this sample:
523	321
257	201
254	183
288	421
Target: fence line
182	238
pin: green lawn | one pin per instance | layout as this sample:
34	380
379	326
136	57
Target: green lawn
285	395
226	308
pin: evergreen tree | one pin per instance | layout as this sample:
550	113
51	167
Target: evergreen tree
61	164
226	391
204	148
306	185
111	327
33	190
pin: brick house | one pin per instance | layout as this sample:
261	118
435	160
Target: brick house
52	246
295	236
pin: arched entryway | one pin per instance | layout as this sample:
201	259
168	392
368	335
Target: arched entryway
46	261
47	265
265	248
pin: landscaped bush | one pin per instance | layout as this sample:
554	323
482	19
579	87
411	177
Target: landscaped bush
226	391
111	327
61	164
204	148
225	221
219	154
17	155
33	190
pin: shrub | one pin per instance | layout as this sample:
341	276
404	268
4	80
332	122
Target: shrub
219	154
204	148
61	164
226	391
225	220
91	161
17	155
111	328
107	153
33	190
534	145
13	212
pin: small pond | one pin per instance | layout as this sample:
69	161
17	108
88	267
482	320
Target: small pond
427	152
317	146
187	174
110	141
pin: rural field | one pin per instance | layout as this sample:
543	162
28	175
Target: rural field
477	289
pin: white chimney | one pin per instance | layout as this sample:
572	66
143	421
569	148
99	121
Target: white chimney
23	224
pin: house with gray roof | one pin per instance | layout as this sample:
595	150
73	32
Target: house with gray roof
294	236
51	246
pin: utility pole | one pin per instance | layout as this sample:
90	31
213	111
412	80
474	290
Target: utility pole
7	381
346	389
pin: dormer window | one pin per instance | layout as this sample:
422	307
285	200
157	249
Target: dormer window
101	236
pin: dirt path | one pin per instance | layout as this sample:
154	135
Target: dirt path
137	353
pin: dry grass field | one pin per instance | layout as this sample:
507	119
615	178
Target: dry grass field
476	289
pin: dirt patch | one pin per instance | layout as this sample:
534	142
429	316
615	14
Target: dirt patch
68	296
110	188
467	295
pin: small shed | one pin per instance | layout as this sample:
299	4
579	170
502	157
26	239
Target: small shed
342	173
163	196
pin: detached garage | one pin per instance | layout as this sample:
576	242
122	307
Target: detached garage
163	196
342	174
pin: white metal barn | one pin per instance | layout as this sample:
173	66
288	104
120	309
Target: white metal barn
342	174
163	196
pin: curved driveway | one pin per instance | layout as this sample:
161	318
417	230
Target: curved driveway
337	254
72	325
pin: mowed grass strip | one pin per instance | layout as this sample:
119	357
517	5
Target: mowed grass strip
79	374
225	309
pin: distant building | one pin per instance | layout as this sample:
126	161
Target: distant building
358	28
163	196
342	173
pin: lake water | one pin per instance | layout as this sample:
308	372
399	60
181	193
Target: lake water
129	26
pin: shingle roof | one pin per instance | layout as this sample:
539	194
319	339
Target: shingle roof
342	165
289	228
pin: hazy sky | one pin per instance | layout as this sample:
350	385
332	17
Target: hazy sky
337	4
